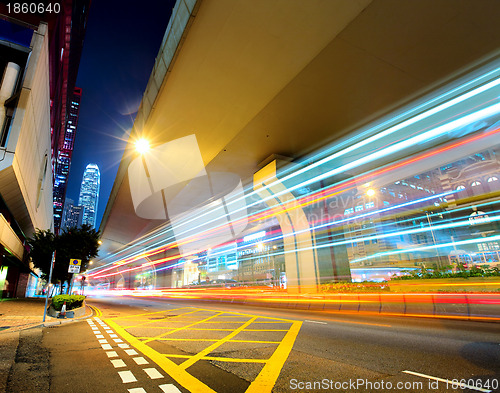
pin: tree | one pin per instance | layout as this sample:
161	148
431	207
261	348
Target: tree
73	243
42	245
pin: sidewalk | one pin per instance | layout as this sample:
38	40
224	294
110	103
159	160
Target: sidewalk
17	315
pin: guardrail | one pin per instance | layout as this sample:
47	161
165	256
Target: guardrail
468	306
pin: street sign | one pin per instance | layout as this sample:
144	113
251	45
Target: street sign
74	265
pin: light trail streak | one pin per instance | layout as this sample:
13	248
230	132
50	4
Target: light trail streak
487	85
314	197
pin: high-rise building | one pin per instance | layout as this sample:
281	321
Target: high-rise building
89	194
64	157
72	215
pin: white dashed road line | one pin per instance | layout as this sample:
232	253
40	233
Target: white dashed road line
169	388
447	381
126	376
321	323
153	373
137	390
118	363
140	360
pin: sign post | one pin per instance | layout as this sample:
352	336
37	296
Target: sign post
74	265
48	284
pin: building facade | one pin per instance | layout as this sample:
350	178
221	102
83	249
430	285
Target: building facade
89	194
25	175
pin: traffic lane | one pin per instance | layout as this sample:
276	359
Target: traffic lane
185	340
366	346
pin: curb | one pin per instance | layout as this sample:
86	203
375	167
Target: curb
68	320
48	324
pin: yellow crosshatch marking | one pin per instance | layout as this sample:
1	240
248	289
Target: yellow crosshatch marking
137	330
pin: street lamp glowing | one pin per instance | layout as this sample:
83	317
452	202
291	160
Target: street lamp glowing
370	192
142	146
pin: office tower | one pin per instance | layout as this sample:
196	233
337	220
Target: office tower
64	157
89	194
72	215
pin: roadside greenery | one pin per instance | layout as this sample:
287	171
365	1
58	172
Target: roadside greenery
73	243
72	301
446	272
355	287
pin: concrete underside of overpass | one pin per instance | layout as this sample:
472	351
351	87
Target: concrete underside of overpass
256	78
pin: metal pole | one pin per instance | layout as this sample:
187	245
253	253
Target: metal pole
48	285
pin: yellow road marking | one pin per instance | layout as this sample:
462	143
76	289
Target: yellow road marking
163	319
265	380
149	313
255	341
210	339
210	348
180	375
235	360
181	328
98	312
180	339
269	374
251	316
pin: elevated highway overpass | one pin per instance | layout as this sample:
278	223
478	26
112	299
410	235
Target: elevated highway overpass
270	87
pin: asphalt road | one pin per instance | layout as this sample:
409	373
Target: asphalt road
201	346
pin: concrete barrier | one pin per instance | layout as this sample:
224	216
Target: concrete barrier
472	306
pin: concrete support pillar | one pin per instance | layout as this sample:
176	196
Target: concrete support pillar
300	255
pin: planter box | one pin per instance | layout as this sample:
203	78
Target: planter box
75	313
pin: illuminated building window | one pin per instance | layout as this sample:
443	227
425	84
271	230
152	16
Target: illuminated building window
349	211
460	188
476	183
369	205
359	208
386	203
492	179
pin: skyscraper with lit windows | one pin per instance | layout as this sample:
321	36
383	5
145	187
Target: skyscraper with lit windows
89	194
64	156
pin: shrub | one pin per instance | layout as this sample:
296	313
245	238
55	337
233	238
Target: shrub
72	301
343	287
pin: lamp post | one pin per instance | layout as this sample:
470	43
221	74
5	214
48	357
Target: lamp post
48	285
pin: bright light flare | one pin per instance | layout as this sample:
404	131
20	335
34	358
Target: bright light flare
142	146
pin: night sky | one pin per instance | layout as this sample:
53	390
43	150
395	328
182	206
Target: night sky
121	43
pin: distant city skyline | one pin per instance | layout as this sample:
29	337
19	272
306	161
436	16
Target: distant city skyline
113	85
89	194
